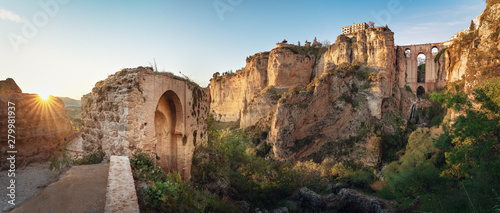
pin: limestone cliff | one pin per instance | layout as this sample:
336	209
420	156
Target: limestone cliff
140	110
230	93
289	66
475	54
336	119
336	114
41	127
374	47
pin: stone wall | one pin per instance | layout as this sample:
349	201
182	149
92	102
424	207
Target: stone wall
41	127
140	110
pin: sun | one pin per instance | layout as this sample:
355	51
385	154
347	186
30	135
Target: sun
45	96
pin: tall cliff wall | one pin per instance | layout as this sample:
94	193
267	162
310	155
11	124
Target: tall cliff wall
356	91
475	55
336	119
140	110
230	93
373	47
41	127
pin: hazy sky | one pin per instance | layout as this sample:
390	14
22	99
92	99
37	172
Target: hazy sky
65	46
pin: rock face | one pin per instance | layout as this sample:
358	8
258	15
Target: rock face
342	103
347	200
334	120
140	110
475	55
355	201
374	46
233	94
230	93
41	127
289	68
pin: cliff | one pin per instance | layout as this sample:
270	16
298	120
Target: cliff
336	119
475	54
373	47
141	110
321	102
41	127
230	93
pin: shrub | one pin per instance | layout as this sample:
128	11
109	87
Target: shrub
348	99
310	87
92	158
144	168
63	160
408	88
58	162
363	74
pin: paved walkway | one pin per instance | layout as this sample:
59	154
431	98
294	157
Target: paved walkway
81	189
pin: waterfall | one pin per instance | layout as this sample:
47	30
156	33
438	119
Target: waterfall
413	111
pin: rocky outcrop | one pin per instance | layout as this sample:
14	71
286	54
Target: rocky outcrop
231	93
238	96
475	54
335	119
347	200
41	127
140	110
374	46
289	66
355	201
340	107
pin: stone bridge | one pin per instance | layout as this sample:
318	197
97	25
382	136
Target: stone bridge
140	110
430	78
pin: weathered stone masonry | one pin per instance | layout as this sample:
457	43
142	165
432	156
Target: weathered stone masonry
139	110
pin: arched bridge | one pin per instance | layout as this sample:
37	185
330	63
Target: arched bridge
426	74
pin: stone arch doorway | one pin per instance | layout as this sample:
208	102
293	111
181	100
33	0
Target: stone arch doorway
420	91
168	127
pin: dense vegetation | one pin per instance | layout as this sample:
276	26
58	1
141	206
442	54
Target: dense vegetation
454	167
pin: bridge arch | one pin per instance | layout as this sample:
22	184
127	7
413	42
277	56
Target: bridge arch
435	50
421	67
431	75
420	91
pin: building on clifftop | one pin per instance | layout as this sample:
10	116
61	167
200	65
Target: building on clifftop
354	28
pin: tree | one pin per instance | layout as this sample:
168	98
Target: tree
472	144
371	24
326	43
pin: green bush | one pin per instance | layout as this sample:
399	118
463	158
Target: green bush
92	158
144	168
408	88
59	161
363	74
63	160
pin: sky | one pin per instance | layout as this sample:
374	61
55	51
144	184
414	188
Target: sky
64	47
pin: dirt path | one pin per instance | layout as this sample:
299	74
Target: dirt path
81	189
30	181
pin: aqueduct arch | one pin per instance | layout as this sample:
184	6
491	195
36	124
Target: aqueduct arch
434	69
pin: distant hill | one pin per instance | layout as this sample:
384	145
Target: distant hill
69	102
